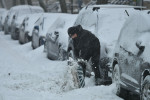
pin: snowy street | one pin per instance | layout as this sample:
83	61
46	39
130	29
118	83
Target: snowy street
27	74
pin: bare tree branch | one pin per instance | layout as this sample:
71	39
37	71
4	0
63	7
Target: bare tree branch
42	5
3	3
63	6
14	2
22	2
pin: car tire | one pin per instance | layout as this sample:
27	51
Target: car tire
26	38
41	41
80	77
116	79
62	54
146	88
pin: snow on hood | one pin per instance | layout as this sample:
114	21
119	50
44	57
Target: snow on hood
31	22
136	29
61	25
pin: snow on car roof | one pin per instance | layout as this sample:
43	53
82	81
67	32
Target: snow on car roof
23	9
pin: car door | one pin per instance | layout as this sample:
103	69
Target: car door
131	68
130	55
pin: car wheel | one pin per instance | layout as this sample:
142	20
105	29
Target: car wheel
41	41
80	77
116	79
71	54
146	88
62	55
26	38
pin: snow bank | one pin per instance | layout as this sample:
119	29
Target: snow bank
28	74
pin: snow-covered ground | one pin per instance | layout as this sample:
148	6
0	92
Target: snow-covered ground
27	74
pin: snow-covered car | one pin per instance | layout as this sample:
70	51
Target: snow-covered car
57	37
2	19
27	26
131	61
8	20
6	27
41	28
19	16
105	22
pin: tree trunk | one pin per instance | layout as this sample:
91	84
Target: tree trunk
3	3
63	6
101	2
22	2
29	2
14	2
71	6
42	5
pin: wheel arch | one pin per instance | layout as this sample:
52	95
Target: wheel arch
115	61
145	73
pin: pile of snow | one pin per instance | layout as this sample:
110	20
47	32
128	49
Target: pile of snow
28	74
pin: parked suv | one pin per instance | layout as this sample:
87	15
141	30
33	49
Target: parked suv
131	61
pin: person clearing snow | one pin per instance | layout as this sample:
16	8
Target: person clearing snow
86	47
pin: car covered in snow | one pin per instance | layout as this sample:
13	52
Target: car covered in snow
2	18
19	16
101	24
131	61
105	22
8	19
27	26
41	28
57	37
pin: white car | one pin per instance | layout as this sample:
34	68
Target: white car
3	14
19	16
57	37
27	26
41	28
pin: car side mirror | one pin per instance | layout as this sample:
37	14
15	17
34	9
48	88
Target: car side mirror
36	27
56	33
140	46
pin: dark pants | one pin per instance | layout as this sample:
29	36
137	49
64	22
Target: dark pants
95	65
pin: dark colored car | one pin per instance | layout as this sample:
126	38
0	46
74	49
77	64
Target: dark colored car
131	61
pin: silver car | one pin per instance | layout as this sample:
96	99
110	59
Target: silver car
57	37
41	28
